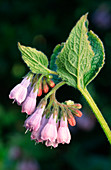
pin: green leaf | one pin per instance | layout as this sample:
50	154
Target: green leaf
80	59
53	65
54	56
35	60
97	61
65	75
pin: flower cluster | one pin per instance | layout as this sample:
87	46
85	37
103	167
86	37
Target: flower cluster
25	93
47	123
51	126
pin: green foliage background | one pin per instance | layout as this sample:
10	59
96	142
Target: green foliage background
43	25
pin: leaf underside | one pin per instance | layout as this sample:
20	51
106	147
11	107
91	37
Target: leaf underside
54	56
82	56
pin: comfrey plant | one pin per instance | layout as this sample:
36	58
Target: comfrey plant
75	63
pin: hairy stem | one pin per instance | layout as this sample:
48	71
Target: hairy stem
97	113
54	89
52	72
39	80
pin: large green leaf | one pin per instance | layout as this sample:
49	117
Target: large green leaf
65	75
82	57
35	60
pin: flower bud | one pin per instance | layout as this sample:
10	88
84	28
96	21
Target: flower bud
40	89
51	83
77	105
72	120
45	87
78	113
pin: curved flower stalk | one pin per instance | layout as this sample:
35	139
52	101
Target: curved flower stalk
50	124
47	124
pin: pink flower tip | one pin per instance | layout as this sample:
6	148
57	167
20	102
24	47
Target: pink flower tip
63	135
19	92
49	132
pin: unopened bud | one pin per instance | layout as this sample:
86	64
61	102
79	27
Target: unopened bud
69	102
45	87
49	76
72	120
40	90
78	113
51	83
78	106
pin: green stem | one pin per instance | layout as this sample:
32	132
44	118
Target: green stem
52	72
39	80
97	113
54	89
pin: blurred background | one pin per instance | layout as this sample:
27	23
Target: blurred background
43	24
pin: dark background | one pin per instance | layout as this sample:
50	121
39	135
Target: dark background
43	24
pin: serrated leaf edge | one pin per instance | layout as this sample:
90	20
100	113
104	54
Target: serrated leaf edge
20	47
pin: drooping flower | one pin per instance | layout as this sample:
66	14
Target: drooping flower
29	104
19	92
49	143
36	135
63	134
49	132
33	122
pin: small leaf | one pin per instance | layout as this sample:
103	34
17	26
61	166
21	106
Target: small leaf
81	57
35	60
53	65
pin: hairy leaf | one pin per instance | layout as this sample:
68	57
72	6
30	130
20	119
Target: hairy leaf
35	60
81	57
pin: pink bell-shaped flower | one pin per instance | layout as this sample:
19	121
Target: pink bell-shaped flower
36	135
33	122
19	92
49	132
29	104
63	134
49	143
